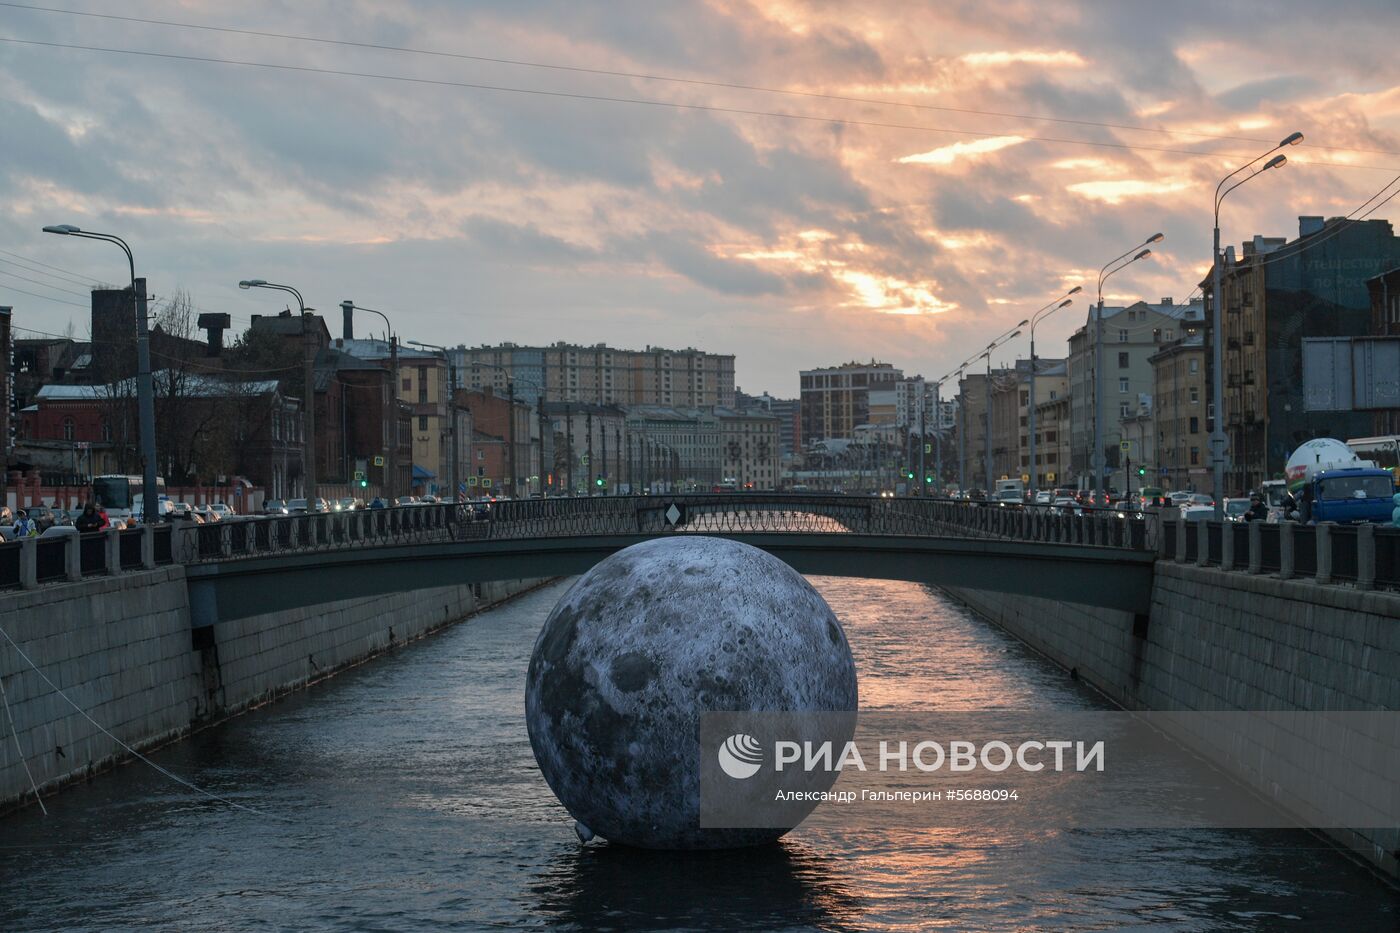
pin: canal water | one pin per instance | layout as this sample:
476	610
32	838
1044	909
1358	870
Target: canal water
407	799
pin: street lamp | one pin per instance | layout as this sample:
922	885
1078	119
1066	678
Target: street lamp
145	391
391	414
1218	442
451	411
309	377
987	440
1035	319
1104	274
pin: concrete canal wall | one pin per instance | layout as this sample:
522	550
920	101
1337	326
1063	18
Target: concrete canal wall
123	650
1230	641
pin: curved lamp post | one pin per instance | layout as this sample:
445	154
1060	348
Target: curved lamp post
309	376
145	391
987	440
1218	441
1036	318
1105	273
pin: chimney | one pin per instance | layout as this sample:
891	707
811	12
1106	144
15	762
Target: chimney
214	326
1167	302
347	309
1307	226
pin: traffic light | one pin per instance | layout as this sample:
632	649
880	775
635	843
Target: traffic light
364	483
928	480
600	481
909	474
1142	471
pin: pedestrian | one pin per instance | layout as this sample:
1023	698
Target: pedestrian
25	527
91	520
1258	512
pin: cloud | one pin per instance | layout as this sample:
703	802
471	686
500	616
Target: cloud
947	155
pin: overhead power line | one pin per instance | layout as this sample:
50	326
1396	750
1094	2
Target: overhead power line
648	102
669	79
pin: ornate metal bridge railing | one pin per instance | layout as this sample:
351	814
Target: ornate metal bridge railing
746	513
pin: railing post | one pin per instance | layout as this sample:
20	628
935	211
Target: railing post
310	526
73	558
1365	556
1285	550
28	563
1227	546
1256	546
1323	539
148	546
1180	538
1125	532
114	551
1202	543
225	540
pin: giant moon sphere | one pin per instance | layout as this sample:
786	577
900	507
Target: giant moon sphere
644	643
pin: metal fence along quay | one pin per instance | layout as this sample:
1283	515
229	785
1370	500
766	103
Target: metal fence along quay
1360	555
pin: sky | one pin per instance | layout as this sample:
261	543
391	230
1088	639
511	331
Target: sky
799	184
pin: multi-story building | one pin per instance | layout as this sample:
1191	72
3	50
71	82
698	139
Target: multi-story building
1179	415
788	411
1051	440
689	437
1131	335
748	444
1011	414
1276	294
591	442
1051	385
1385	323
505	448
599	374
972	430
837	399
422	387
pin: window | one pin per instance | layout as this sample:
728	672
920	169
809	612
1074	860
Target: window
68	429
1195	425
1123	409
1123	385
1195	395
1122	336
1123	361
1194	366
106	430
1195	456
407	384
422	422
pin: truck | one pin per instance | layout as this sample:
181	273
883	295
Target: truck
1330	483
1008	491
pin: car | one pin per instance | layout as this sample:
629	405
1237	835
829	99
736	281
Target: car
428	500
204	513
1200	498
296	506
1044	497
222	510
318	505
276	507
1180	497
347	504
1067	504
1235	509
405	500
1198	513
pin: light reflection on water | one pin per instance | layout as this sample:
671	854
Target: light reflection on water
416	804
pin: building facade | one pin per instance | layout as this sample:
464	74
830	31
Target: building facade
1276	294
600	374
749	450
1131	335
835	400
1179	415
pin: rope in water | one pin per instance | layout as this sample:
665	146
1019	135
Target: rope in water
82	712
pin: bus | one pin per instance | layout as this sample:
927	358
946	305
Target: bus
1383	451
119	496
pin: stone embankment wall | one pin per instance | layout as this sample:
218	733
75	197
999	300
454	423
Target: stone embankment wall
122	649
1228	641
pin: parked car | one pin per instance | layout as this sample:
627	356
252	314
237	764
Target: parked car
276	507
